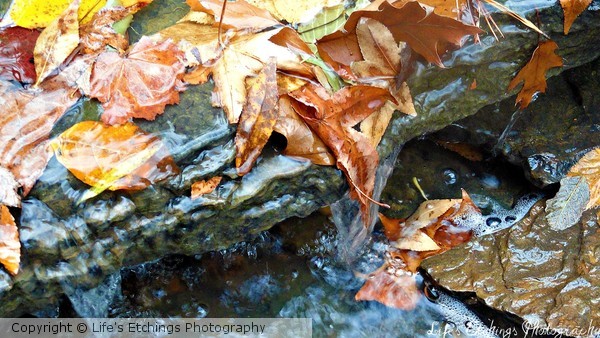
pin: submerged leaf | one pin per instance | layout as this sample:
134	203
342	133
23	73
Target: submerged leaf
566	208
99	32
16	53
238	14
10	247
391	287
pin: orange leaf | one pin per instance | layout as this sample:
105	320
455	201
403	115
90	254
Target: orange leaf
140	84
238	14
533	74
10	247
99	155
572	9
589	167
257	119
332	118
392	287
205	186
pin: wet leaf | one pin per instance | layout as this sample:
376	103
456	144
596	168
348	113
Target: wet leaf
204	187
294	12
10	247
40	13
589	167
533	74
566	208
239	14
391	287
99	32
257	119
113	157
332	117
56	42
419	241
572	9
8	189
326	22
139	84
16	54
301	140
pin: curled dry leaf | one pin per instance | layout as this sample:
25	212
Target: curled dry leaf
139	84
239	14
40	13
113	157
332	118
16	53
257	119
205	186
10	247
589	168
572	9
56	42
533	74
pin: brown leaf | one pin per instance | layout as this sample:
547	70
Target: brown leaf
16	53
239	14
140	84
572	9
391	286
301	140
533	74
56	42
425	32
391	227
113	157
257	119
98	33
332	118
10	247
204	187
28	120
589	167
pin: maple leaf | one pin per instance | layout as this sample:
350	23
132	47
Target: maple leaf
141	83
113	157
332	118
425	32
588	167
16	53
10	247
301	140
56	42
204	187
257	119
238	14
533	74
572	9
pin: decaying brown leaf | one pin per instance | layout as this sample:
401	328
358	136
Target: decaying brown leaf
589	167
98	33
572	9
204	187
332	117
140	84
257	119
533	74
56	42
10	247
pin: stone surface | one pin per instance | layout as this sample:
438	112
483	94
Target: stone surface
550	278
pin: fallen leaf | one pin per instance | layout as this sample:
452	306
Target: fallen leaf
204	187
533	74
10	247
113	157
393	287
566	208
8	189
428	213
326	22
257	119
419	241
141	83
466	150
332	118
99	33
294	12
56	42
301	140
572	9
16	53
589	167
391	227
40	13
238	14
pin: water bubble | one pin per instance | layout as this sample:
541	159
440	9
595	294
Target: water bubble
510	219
450	176
493	221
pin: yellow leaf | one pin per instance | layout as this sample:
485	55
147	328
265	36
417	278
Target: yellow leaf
10	247
294	11
40	13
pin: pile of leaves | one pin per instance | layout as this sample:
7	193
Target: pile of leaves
330	86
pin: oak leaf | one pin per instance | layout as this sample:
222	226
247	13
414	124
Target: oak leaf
16	53
56	42
139	84
40	13
239	14
332	118
204	187
10	247
572	9
257	119
589	168
113	157
533	74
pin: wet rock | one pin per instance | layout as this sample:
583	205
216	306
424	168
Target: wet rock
546	138
550	278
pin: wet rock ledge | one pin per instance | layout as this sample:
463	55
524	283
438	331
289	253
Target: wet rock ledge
68	246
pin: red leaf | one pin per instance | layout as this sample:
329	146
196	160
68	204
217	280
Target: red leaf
16	54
